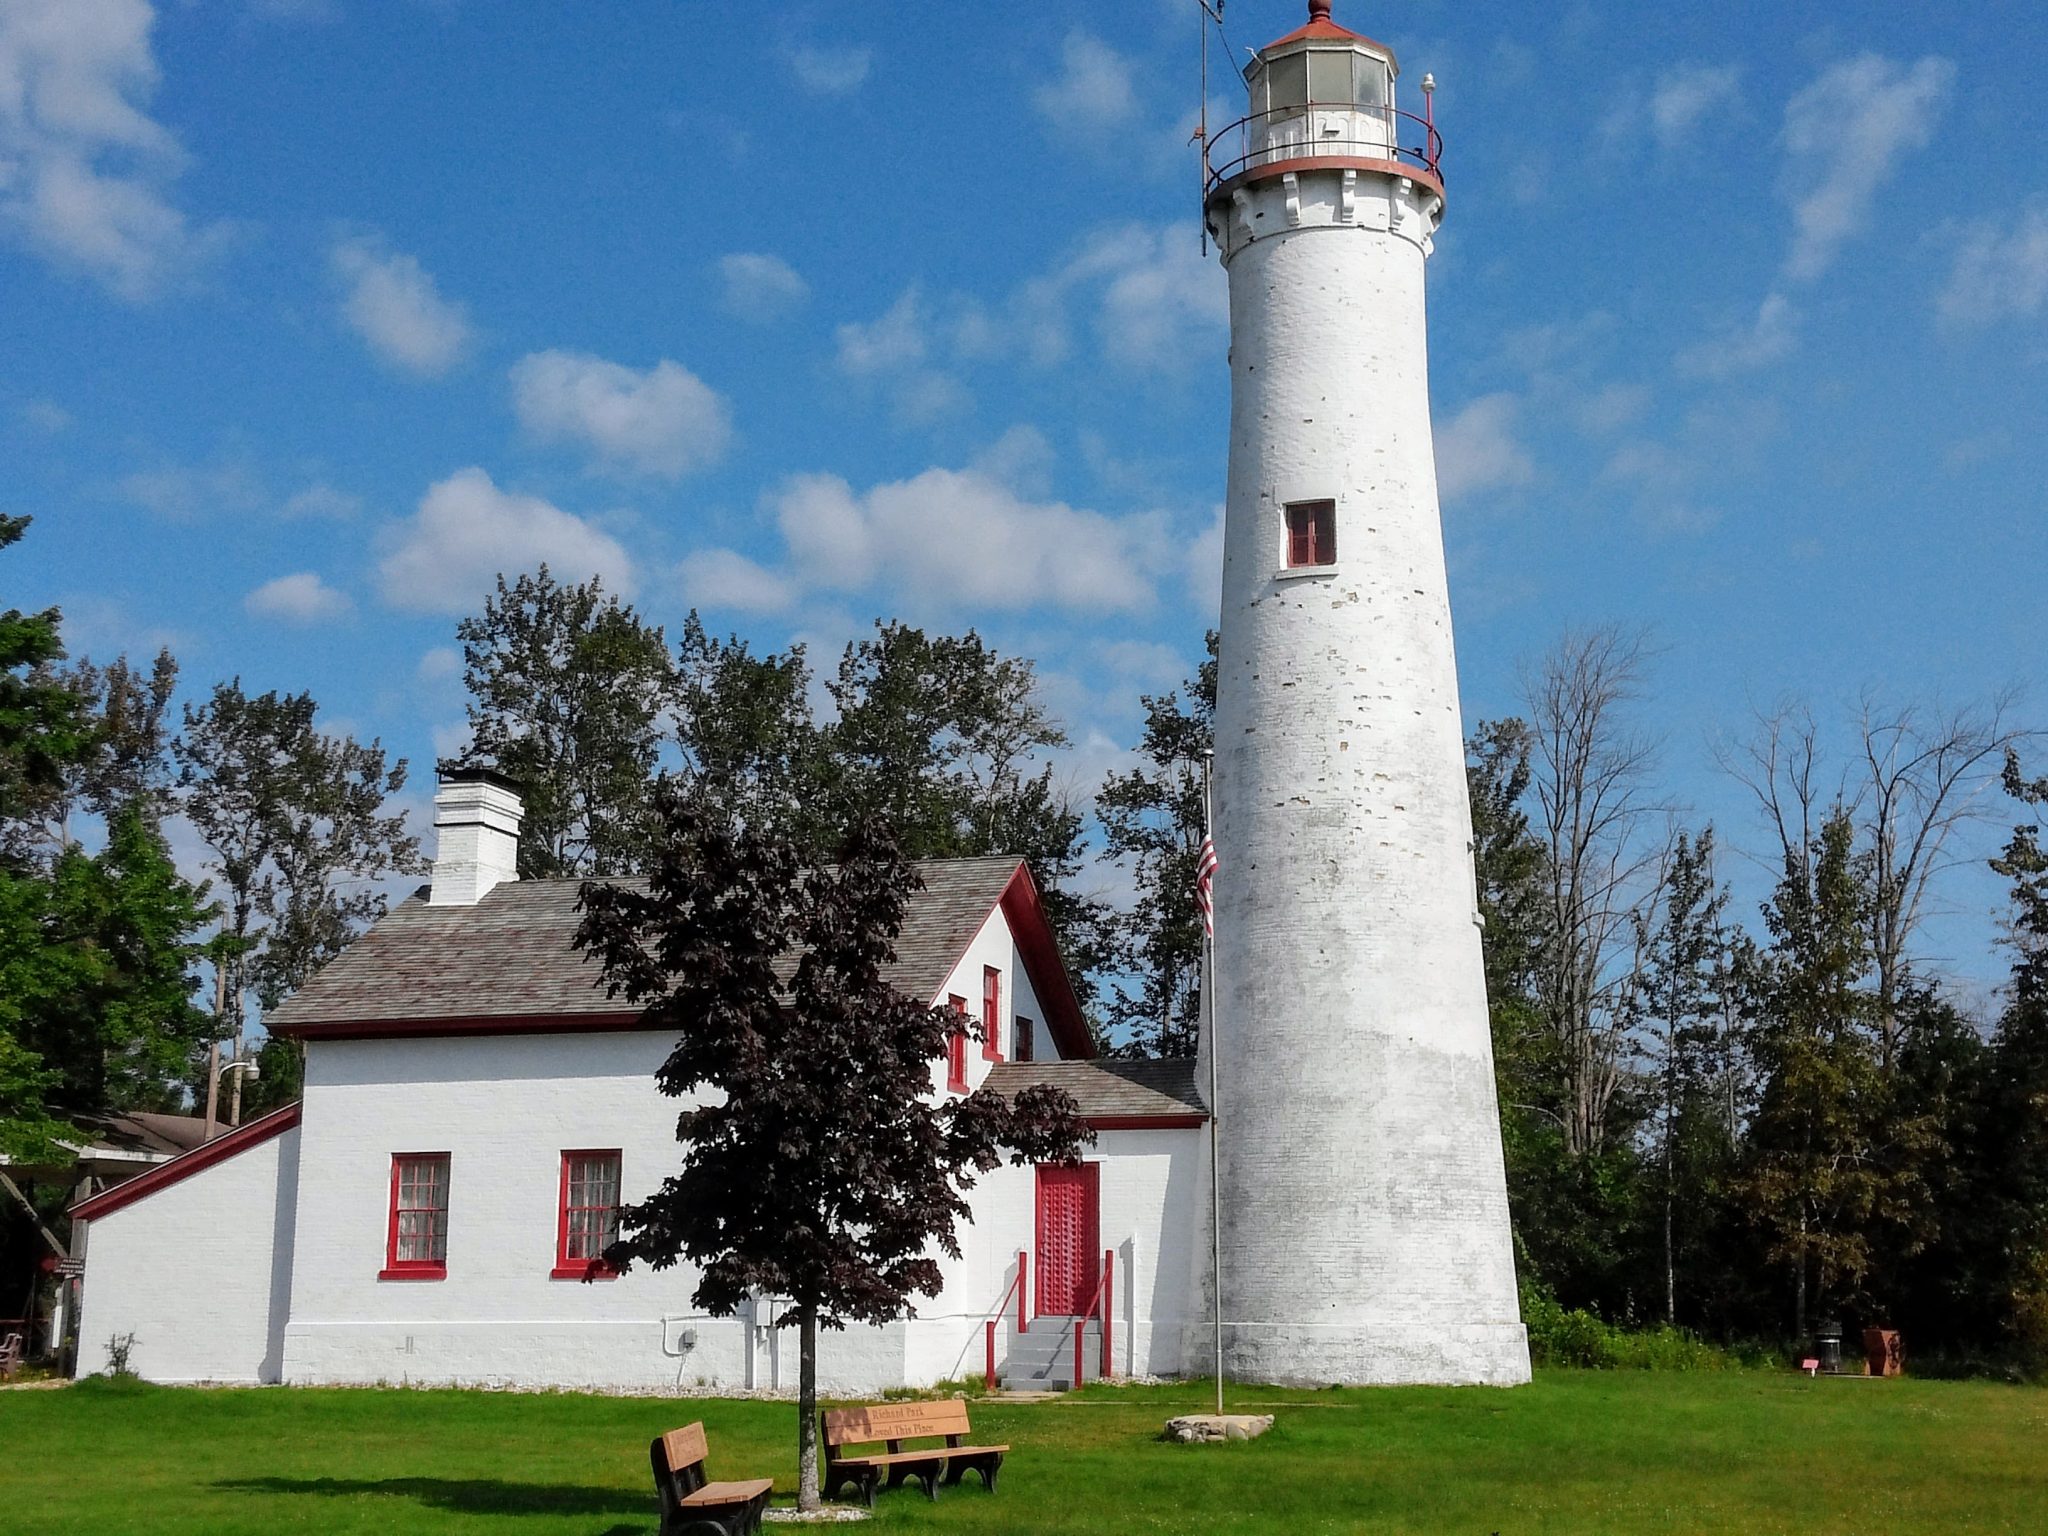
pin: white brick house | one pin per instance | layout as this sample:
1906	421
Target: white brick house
475	1107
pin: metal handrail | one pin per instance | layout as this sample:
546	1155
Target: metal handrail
1105	1297
1425	156
1002	1305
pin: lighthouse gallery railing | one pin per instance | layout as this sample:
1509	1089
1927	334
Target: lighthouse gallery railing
1367	133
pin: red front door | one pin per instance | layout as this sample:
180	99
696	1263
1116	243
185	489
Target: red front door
1068	1227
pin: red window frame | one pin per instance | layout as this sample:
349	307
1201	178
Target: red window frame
991	1014
956	1047
1024	1047
1311	533
571	1234
415	1267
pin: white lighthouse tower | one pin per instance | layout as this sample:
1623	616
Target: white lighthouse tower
1364	1221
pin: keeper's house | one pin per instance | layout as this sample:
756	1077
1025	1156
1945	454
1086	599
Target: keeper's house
476	1109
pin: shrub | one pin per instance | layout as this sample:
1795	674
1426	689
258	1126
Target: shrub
119	1348
1575	1337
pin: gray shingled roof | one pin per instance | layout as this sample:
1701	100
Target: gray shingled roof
1139	1087
511	954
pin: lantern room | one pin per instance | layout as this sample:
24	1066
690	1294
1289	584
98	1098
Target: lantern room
1323	87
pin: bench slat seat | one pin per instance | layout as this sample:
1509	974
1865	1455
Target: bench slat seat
893	1423
690	1503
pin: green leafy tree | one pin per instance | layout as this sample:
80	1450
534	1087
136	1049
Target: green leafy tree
2015	1111
749	741
568	689
1152	819
40	730
816	1165
97	960
298	837
947	742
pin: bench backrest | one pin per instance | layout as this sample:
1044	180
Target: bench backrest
678	1459
893	1422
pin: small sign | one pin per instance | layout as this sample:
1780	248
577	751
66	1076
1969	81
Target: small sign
71	1269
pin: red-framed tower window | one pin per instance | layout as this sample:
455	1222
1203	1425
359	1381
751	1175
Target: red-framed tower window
1024	1046
587	1219
416	1242
991	1014
956	1047
1311	533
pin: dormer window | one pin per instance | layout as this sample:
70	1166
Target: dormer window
1311	533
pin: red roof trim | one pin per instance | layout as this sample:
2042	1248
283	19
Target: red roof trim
183	1166
1040	951
479	1024
1181	1122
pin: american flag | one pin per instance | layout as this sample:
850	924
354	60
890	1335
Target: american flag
1205	883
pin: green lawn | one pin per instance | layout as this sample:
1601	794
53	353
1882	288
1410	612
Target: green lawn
1576	1452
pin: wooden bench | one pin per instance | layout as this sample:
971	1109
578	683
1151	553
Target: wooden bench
891	1424
691	1506
10	1355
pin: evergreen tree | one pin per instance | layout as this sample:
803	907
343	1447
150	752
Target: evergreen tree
1681	970
1814	1174
1152	818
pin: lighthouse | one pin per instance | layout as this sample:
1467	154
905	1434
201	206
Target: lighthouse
1363	1232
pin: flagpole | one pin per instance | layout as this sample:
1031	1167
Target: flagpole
1209	1007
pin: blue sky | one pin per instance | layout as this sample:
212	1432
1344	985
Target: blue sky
314	313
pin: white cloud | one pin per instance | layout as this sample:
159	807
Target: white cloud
1477	450
439	664
664	421
445	558
1844	135
1608	408
761	287
1163	301
2000	271
46	416
84	170
1205	565
300	598
1092	93
394	304
892	349
947	540
182	492
726	579
1686	96
320	500
1743	348
831	71
1022	458
894	339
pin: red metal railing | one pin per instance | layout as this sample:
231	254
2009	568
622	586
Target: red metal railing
1105	1300
1246	144
989	1337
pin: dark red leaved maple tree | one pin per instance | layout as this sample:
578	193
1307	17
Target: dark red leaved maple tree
818	1165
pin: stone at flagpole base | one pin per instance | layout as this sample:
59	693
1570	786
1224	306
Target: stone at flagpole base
1215	1428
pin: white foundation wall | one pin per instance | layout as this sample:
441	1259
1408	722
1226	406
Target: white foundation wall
198	1271
1365	1221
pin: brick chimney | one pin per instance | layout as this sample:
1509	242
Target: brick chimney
476	815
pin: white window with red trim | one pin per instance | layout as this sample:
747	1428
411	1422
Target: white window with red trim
587	1215
416	1241
956	1046
991	1014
